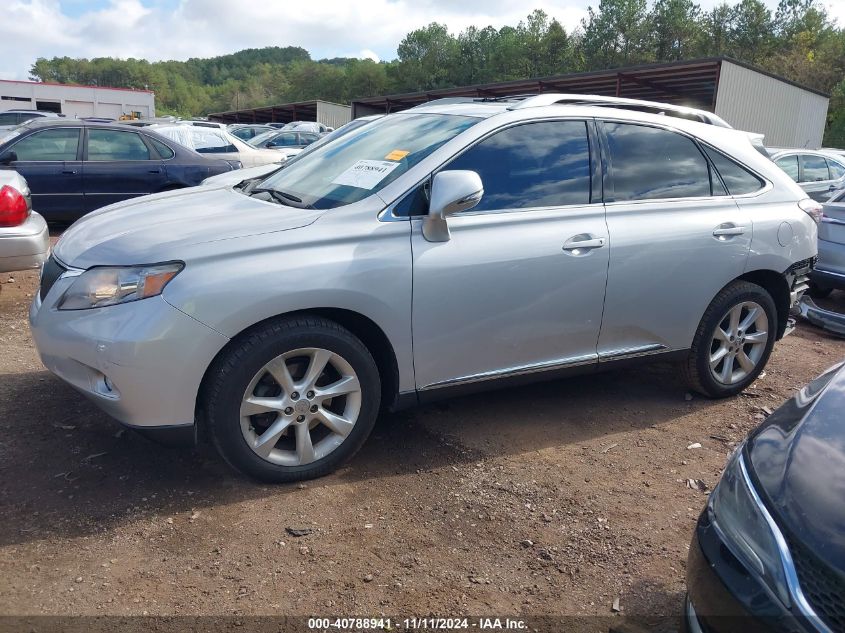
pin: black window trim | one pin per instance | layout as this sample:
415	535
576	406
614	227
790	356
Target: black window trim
609	191
150	149
79	146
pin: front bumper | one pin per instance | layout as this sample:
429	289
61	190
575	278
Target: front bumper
724	597
25	246
141	362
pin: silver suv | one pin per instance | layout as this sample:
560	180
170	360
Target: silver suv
447	248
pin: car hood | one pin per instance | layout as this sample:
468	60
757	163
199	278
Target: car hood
798	458
160	227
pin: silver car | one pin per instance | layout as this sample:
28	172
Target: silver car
819	173
829	274
447	248
24	239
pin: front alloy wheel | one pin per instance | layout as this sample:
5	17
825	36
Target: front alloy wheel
292	399
300	406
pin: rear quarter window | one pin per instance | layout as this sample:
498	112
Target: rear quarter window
737	179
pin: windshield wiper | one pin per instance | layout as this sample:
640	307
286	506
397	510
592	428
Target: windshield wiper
283	198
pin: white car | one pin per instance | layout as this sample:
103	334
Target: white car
219	143
24	239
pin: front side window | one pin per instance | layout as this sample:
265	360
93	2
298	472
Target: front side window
815	168
366	160
543	164
112	145
59	144
737	179
650	163
789	164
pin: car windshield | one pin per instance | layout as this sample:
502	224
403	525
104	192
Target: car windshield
366	160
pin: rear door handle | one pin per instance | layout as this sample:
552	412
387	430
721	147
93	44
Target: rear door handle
582	244
155	171
69	171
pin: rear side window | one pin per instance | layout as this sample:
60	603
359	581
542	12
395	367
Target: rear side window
163	150
737	179
113	145
649	163
815	168
544	164
9	118
789	164
49	145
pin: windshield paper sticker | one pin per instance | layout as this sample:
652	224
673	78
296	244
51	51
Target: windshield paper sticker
365	174
397	154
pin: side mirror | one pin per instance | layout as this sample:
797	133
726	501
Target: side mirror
451	192
8	158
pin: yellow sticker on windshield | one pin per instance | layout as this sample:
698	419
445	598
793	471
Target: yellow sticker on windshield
397	154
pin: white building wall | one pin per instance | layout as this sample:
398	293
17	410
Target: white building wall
76	101
333	114
789	116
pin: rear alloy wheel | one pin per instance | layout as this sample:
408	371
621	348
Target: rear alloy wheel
293	399
733	341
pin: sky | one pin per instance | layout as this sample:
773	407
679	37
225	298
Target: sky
179	29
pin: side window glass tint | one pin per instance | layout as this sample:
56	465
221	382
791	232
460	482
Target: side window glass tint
815	168
649	163
836	169
415	203
789	164
544	164
737	179
57	144
163	150
113	145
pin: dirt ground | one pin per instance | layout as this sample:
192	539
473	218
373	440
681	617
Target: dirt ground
556	498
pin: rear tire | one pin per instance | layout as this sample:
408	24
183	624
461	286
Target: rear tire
733	341
292	400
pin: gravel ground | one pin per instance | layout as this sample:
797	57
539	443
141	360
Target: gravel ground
556	498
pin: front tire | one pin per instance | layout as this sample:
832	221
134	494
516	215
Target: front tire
733	341
293	399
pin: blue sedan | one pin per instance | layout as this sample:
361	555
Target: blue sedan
74	167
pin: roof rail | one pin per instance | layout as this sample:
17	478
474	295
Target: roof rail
654	107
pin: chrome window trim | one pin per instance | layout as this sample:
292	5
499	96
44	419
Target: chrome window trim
789	570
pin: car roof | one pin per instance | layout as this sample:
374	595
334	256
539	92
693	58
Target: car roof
485	107
781	152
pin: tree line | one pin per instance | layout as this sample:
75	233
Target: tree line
797	40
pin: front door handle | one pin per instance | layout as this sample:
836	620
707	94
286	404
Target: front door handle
155	171
582	244
70	172
728	230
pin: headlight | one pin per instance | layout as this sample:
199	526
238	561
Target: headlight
747	527
100	287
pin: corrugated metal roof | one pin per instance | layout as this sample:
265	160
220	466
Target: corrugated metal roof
692	83
282	113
